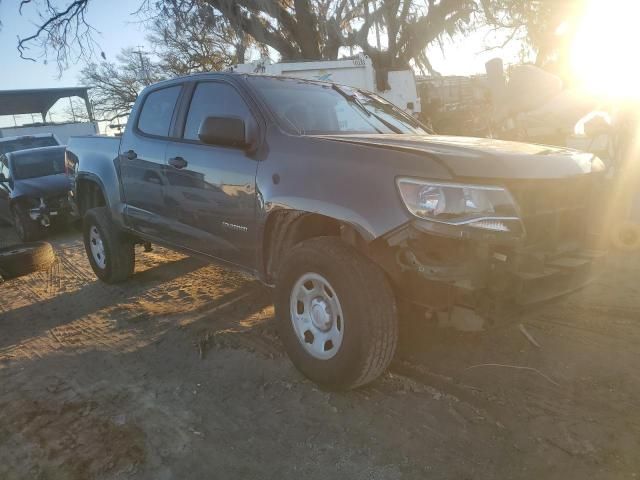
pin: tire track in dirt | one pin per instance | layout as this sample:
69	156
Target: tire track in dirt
71	420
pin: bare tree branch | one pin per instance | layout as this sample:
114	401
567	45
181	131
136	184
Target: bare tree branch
64	30
116	85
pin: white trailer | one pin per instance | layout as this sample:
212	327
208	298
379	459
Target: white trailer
14	103
62	131
355	72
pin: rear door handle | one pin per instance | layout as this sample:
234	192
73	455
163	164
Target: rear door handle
131	155
178	162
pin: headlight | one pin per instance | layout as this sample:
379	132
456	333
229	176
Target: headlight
480	206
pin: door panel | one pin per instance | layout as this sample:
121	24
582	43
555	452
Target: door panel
142	182
142	155
210	201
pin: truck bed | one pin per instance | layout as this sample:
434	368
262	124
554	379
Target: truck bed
94	147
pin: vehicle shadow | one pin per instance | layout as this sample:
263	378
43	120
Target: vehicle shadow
30	320
68	396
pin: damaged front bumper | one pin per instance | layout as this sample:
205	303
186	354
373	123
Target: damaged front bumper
474	281
62	206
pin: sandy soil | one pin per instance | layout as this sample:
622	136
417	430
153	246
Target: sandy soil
178	373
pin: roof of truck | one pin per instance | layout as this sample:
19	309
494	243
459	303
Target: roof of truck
196	75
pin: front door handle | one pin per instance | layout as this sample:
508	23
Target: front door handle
178	162
131	155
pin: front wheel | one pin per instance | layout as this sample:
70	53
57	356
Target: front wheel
111	253
28	230
336	314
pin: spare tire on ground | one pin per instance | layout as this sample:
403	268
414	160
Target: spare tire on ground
22	259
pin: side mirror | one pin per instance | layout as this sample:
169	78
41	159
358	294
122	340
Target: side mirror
224	131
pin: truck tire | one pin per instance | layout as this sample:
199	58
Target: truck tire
111	253
27	229
336	314
25	258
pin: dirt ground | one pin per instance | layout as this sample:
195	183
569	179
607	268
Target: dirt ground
178	374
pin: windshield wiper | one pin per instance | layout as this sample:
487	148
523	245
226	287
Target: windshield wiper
389	125
351	98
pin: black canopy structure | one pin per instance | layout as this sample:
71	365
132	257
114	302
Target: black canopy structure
16	102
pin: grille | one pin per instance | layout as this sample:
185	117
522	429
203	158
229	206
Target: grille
556	213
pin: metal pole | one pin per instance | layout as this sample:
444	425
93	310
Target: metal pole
143	65
88	106
377	27
73	113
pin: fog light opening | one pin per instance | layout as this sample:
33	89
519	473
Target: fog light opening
493	225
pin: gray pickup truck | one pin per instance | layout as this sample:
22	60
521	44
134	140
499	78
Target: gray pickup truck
343	203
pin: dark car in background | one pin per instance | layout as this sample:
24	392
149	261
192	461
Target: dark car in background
35	190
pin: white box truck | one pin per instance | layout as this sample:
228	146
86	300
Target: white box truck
357	72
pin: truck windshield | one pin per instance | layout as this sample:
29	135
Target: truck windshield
38	164
310	108
24	143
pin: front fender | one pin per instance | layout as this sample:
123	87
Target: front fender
354	184
328	209
97	162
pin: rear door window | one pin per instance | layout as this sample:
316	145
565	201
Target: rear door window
213	99
157	111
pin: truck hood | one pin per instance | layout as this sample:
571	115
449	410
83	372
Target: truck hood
49	186
484	157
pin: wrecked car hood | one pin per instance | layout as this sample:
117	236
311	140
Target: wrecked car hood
485	157
49	186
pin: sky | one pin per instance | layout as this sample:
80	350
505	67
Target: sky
468	55
117	28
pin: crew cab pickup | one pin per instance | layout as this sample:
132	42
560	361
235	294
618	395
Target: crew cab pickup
343	203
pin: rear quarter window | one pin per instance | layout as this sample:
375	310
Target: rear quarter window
157	111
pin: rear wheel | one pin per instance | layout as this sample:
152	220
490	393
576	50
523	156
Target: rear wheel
110	251
336	314
27	229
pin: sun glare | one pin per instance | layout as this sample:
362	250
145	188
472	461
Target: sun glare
604	57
